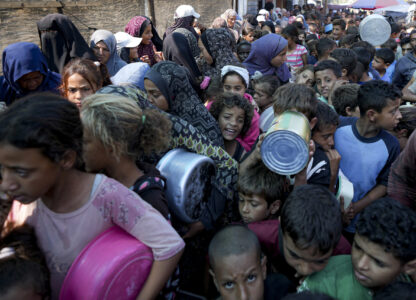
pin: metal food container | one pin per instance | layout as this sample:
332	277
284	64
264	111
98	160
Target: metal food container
375	29
188	182
285	149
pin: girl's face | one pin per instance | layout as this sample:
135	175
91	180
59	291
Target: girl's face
234	84
231	121
306	77
77	88
249	37
27	174
155	96
261	97
279	59
94	153
133	55
147	35
204	52
102	52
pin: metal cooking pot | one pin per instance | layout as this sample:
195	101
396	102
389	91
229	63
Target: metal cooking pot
188	182
375	30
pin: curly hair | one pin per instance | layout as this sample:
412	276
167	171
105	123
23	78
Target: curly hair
390	224
121	125
231	100
375	94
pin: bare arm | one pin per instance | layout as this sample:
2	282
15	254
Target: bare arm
407	94
159	275
304	59
376	192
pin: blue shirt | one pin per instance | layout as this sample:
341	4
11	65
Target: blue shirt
365	161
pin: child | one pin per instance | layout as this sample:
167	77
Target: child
117	133
338	29
264	88
397	290
382	60
327	73
243	50
347	40
406	126
308	234
312	52
344	100
40	154
239	269
23	270
261	192
323	136
296	56
306	76
324	47
383	249
234	115
367	150
364	57
347	59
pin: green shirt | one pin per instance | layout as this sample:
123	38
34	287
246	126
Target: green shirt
337	280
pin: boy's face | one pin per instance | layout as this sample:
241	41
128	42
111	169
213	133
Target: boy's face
240	276
254	208
260	96
373	267
337	32
304	261
413	41
378	64
390	116
325	81
243	52
406	48
325	137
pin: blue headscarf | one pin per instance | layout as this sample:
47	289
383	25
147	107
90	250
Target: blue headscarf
262	52
132	73
20	59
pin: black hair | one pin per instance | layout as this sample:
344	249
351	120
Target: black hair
395	28
311	37
331	65
44	121
390	44
345	96
268	6
348	39
339	22
234	73
233	240
390	224
270	83
346	58
326	116
370	48
363	56
291	31
243	43
404	41
307	296
230	100
25	266
324	45
259	180
250	18
397	290
386	54
311	217
375	94
352	30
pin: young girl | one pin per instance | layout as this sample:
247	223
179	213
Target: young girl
234	115
296	56
264	88
23	270
305	75
41	167
116	134
81	78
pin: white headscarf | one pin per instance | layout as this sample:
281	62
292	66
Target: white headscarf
241	71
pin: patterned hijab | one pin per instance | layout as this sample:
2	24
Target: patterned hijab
219	43
173	82
192	41
135	27
185	22
114	63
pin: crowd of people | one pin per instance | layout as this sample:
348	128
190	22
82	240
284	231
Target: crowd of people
84	123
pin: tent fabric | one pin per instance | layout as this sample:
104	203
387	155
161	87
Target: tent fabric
374	4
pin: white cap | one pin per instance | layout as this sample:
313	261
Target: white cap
185	11
264	12
125	40
261	18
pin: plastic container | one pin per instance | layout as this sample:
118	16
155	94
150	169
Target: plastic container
375	29
345	189
188	182
285	149
115	265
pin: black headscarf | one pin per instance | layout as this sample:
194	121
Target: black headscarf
61	41
176	49
185	22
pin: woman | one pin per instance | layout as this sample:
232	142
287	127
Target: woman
217	48
81	78
230	16
168	87
192	41
104	44
25	71
142	27
184	18
268	56
61	41
133	74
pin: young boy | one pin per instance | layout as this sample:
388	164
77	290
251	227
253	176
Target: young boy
238	267
347	59
384	251
261	193
344	100
364	57
382	60
338	29
324	48
327	73
366	148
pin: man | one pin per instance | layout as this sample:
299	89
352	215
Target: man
406	66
